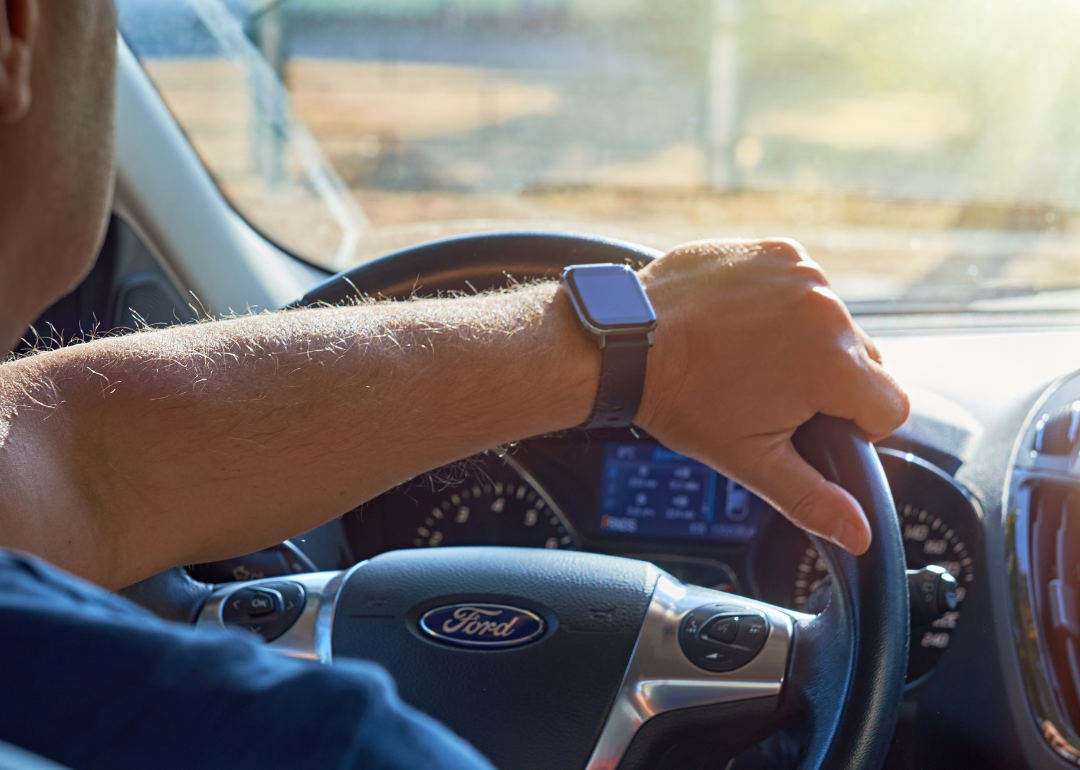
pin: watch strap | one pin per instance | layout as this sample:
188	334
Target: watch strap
622	381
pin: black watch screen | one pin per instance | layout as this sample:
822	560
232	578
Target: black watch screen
609	297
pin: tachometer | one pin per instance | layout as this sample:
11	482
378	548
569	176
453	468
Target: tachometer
939	526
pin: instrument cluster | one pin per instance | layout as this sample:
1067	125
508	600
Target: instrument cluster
632	497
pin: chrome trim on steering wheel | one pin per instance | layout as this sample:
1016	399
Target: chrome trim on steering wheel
310	636
660	678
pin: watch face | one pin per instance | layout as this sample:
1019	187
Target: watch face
611	296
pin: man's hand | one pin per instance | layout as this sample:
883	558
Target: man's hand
751	344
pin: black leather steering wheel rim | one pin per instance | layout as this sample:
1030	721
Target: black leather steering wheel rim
861	639
869	602
473	263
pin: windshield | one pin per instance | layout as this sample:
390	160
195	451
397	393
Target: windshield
921	150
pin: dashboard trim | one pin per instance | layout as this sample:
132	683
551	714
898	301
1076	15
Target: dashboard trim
940	473
1028	466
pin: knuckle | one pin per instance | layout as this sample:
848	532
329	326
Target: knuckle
807	511
785	248
871	349
813	273
792	255
839	362
833	382
903	406
822	307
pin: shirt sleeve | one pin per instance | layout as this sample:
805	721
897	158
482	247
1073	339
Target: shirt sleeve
93	681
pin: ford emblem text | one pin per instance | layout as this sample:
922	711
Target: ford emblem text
482	625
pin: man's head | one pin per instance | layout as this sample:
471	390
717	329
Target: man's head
57	80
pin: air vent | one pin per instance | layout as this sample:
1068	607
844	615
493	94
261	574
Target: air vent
1056	433
1054	539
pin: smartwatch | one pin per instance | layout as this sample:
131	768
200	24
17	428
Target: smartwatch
613	306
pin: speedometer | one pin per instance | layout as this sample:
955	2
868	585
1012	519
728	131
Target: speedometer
490	512
494	503
939	527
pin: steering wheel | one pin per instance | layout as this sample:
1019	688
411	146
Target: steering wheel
557	659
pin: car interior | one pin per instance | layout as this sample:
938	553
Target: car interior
295	152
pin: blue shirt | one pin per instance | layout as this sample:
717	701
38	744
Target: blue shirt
91	680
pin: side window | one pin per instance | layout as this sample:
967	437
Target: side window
209	61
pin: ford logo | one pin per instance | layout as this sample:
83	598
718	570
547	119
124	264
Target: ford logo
482	625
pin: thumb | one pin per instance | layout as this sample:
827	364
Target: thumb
787	482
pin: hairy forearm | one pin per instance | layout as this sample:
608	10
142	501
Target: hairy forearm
125	456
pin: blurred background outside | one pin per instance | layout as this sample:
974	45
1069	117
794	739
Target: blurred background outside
918	148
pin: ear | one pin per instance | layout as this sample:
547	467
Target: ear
18	24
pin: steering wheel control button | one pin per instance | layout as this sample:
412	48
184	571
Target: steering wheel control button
720	660
718	638
753	630
264	603
251	603
722	629
269	609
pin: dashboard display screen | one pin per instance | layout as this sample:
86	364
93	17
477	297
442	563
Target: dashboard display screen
650	491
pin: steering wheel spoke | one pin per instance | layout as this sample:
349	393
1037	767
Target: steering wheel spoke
300	629
698	656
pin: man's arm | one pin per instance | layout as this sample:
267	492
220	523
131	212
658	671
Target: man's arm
126	456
